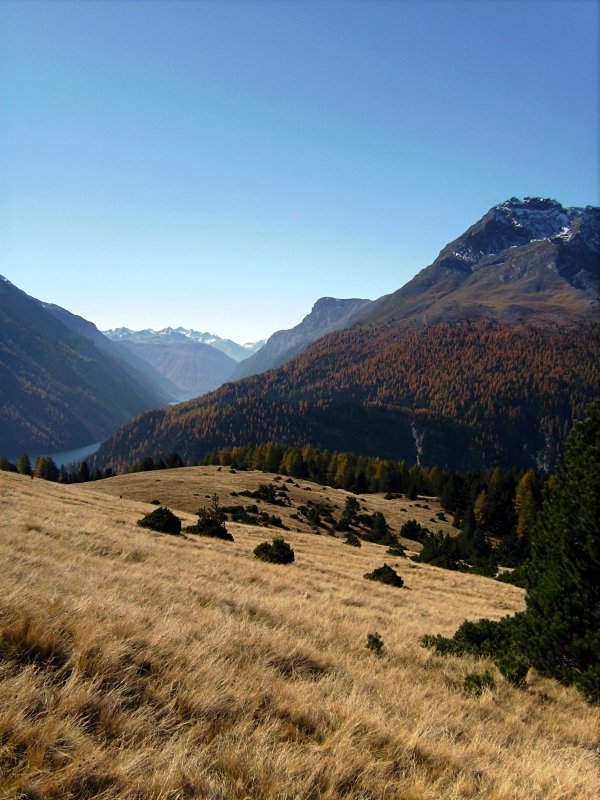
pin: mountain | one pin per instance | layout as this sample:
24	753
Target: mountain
328	314
465	395
165	390
193	367
483	359
58	390
524	260
237	352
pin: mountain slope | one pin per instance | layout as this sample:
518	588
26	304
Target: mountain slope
193	367
57	390
522	260
141	665
139	370
469	395
328	314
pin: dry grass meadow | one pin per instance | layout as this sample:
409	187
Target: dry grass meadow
140	665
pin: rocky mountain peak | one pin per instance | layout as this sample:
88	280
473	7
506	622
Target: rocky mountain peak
515	223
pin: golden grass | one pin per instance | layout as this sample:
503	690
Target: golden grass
138	665
191	487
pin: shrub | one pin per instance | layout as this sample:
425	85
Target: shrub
374	643
385	574
475	683
162	520
154	502
352	539
396	549
276	552
412	530
211	522
514	667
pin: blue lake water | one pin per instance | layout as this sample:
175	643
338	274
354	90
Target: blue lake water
64	456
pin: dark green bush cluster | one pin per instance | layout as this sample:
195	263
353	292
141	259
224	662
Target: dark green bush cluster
352	539
317	514
376	529
351	509
162	520
251	515
413	530
269	493
211	522
396	549
559	632
470	551
385	574
374	643
276	552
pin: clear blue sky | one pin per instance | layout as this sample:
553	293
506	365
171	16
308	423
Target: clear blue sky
221	165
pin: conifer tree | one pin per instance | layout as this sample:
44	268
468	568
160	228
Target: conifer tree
46	468
561	631
24	465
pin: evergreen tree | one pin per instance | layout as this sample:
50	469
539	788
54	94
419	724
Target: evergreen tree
83	473
561	632
46	468
24	465
527	503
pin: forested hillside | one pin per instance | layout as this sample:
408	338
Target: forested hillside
465	395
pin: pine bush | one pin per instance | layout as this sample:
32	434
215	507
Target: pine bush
162	520
276	552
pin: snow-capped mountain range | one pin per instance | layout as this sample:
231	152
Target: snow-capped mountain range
180	335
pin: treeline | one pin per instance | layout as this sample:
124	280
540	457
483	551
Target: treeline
493	510
46	469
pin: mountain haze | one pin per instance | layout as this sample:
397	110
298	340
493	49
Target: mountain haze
193	367
166	392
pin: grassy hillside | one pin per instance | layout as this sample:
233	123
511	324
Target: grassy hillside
138	665
190	488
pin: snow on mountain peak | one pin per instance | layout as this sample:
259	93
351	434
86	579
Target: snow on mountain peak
518	222
537	217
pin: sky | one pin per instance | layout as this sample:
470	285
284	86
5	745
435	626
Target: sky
222	165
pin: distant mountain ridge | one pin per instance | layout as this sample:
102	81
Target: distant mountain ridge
166	391
327	315
180	335
194	368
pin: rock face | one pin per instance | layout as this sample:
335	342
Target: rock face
328	314
525	260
